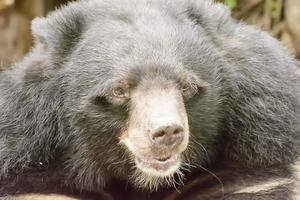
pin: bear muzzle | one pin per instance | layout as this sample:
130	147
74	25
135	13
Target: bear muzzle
157	131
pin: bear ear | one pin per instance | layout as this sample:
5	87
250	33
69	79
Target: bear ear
60	32
39	30
209	15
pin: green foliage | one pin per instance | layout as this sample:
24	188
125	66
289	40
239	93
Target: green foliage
231	3
275	9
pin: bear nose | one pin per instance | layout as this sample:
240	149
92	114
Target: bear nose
168	136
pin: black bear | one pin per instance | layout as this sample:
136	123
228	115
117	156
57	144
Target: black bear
147	92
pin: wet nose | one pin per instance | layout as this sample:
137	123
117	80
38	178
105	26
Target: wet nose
168	136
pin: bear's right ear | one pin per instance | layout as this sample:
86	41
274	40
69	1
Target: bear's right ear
59	33
39	30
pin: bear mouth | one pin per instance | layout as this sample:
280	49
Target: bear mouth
164	166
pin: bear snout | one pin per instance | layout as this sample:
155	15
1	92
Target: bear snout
168	136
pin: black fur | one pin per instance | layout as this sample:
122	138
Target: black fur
248	116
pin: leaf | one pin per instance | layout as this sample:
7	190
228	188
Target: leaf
231	3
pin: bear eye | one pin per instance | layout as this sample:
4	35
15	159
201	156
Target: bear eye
185	88
189	90
120	92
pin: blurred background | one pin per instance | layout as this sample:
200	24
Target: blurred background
279	17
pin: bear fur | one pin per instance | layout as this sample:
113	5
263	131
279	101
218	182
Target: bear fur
248	113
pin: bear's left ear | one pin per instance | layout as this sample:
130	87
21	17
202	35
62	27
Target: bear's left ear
211	16
60	32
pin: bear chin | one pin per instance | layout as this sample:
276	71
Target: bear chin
151	180
150	174
158	168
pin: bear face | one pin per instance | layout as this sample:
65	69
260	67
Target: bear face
146	91
140	104
126	83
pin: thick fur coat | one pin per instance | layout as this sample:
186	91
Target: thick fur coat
55	117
